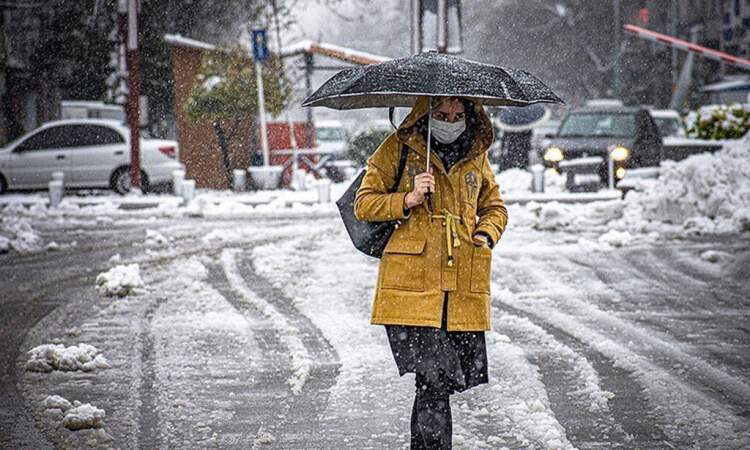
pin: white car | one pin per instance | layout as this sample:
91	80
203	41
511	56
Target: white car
91	153
330	137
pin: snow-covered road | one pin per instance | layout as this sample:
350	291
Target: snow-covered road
255	334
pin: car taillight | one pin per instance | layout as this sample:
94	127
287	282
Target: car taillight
169	150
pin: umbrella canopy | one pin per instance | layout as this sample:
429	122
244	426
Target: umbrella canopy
399	82
515	119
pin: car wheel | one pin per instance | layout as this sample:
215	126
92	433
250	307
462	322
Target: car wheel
120	182
3	185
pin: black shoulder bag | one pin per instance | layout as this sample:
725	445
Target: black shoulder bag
368	237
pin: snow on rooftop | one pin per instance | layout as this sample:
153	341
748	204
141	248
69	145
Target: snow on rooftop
182	41
332	51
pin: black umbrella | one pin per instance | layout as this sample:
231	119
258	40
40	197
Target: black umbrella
515	119
399	82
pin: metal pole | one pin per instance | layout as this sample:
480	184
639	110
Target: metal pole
429	134
308	93
610	170
616	75
134	87
414	16
262	111
442	26
673	32
290	124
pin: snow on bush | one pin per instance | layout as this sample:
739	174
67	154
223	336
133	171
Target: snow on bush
49	357
119	281
708	192
719	122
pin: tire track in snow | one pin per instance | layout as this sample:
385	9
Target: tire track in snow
577	381
691	414
668	347
288	334
294	419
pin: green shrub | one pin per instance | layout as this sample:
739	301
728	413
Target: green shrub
364	144
719	122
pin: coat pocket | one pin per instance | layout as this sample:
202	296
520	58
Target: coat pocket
403	265
480	269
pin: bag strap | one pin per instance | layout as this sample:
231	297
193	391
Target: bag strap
401	166
391	110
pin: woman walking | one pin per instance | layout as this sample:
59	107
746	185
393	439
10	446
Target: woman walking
433	286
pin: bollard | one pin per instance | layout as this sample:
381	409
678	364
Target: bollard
537	178
58	176
299	180
610	170
239	177
188	190
178	177
324	190
55	193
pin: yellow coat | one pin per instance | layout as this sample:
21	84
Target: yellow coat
415	269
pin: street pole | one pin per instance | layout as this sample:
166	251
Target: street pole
441	15
673	32
292	137
262	108
616	75
134	87
308	92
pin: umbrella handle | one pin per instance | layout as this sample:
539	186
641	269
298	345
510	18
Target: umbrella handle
429	135
428	203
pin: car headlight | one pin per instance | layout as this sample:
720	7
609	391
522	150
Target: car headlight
620	153
553	154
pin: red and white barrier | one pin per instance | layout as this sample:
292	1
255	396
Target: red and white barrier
681	44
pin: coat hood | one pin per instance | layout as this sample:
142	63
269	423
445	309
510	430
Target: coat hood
407	132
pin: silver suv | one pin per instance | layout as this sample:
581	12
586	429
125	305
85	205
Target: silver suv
91	153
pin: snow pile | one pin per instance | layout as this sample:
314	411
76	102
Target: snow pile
715	256
49	357
77	415
16	233
616	238
56	402
519	180
155	239
556	216
706	193
83	416
119	281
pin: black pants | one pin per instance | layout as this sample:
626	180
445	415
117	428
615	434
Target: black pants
431	422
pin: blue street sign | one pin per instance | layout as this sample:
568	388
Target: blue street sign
260	45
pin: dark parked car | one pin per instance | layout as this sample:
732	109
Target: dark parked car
589	135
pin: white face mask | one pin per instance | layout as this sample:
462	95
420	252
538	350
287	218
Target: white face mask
447	132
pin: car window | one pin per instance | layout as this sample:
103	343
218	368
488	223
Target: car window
48	138
669	126
330	134
598	124
92	135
